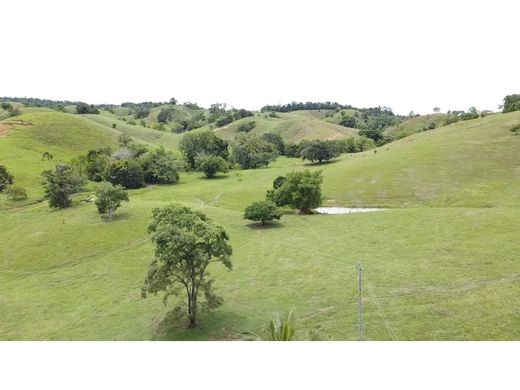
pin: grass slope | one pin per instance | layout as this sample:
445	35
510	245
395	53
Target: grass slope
292	127
448	271
416	124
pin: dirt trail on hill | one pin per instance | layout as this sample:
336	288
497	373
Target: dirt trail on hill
3	129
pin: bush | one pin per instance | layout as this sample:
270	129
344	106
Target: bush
211	165
263	211
202	143
511	103
97	163
124	139
5	178
246	126
291	150
16	193
276	141
516	129
348	121
301	190
160	167
60	184
84	108
127	173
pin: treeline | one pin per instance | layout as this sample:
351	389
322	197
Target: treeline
298	106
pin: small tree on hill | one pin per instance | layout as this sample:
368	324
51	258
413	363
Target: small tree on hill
5	178
186	242
61	184
109	198
262	211
511	103
211	165
124	139
301	190
160	167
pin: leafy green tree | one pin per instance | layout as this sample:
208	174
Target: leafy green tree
97	163
173	101
250	151
5	178
109	198
292	150
301	190
186	241
320	151
263	211
127	173
511	103
202	143
61	184
276	140
160	167
348	121
211	165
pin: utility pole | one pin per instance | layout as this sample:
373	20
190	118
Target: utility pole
360	303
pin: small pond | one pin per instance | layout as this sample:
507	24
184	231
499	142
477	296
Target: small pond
344	210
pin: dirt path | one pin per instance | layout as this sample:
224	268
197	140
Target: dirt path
3	129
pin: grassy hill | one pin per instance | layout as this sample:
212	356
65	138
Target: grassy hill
416	124
292	127
443	260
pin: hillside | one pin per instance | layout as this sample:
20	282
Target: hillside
292	127
442	260
416	124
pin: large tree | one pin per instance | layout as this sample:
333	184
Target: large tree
160	167
186	242
301	190
251	151
127	173
511	103
109	198
202	143
320	151
61	184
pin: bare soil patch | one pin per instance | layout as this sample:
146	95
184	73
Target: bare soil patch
4	127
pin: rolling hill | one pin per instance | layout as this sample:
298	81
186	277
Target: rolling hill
442	259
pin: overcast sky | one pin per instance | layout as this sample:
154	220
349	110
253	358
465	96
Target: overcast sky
408	55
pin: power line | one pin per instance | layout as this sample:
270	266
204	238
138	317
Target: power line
379	307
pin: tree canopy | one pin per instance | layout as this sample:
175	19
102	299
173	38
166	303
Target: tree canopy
109	198
186	242
301	190
202	143
262	211
319	150
5	178
60	184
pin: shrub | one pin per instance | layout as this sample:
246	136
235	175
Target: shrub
511	103
246	126
60	184
263	211
160	167
124	139
202	143
516	129
127	173
5	178
301	190
15	192
84	108
211	165
348	121
250	151
275	140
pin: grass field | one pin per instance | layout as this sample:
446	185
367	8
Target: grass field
443	259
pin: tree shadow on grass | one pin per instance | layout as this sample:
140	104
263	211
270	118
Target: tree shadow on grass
214	178
118	216
216	325
317	164
267	226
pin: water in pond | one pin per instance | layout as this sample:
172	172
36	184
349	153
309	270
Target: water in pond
344	210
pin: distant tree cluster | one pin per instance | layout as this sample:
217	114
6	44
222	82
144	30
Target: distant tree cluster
84	108
195	146
221	115
12	109
298	106
511	103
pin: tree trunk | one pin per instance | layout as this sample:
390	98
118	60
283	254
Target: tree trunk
306	211
110	213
